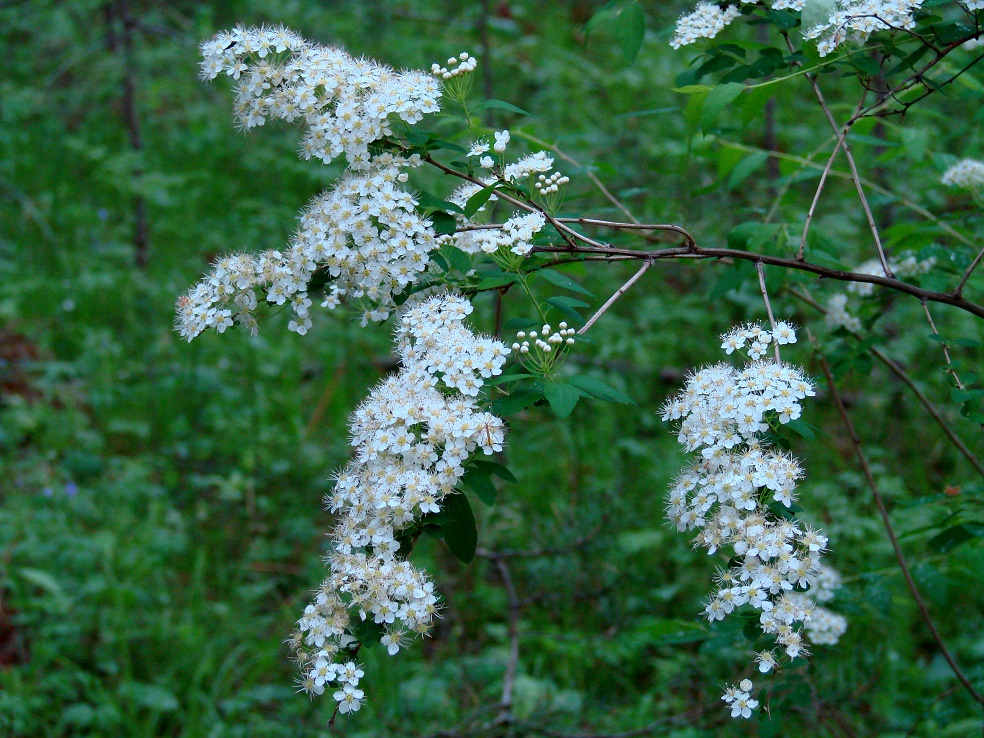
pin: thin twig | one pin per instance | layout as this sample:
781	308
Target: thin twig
946	348
509	677
808	162
612	253
574	162
634	226
760	268
855	177
816	197
873	486
611	300
901	374
970	270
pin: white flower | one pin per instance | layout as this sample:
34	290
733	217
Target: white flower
501	139
478	148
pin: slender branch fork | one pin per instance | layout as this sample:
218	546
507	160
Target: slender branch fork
760	268
883	511
611	300
901	374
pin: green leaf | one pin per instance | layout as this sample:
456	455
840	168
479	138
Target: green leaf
743	169
427	201
501	105
444	223
816	12
562	397
518	400
506	379
568	307
479	483
479	199
499	280
562	280
803	428
458	259
660	631
966	342
598	390
717	99
692	89
630	30
955	535
490	468
460	532
47	582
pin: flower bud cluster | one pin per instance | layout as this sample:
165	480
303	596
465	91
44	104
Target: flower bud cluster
344	103
736	488
412	437
364	236
548	185
545	341
456	66
966	173
855	20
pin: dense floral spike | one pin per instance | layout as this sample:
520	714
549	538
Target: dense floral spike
344	103
364	235
706	21
412	437
855	20
731	493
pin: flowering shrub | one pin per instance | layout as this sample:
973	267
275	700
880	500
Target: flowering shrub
373	244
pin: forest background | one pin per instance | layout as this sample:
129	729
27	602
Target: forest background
160	516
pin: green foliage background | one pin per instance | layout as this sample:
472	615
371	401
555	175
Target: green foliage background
160	518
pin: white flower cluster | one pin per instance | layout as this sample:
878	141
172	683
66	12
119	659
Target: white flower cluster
706	21
855	20
838	316
731	490
825	627
517	232
456	66
966	173
739	699
902	266
344	103
364	238
364	235
796	5
412	437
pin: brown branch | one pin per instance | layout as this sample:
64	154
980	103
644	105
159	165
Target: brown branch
883	511
699	252
970	270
